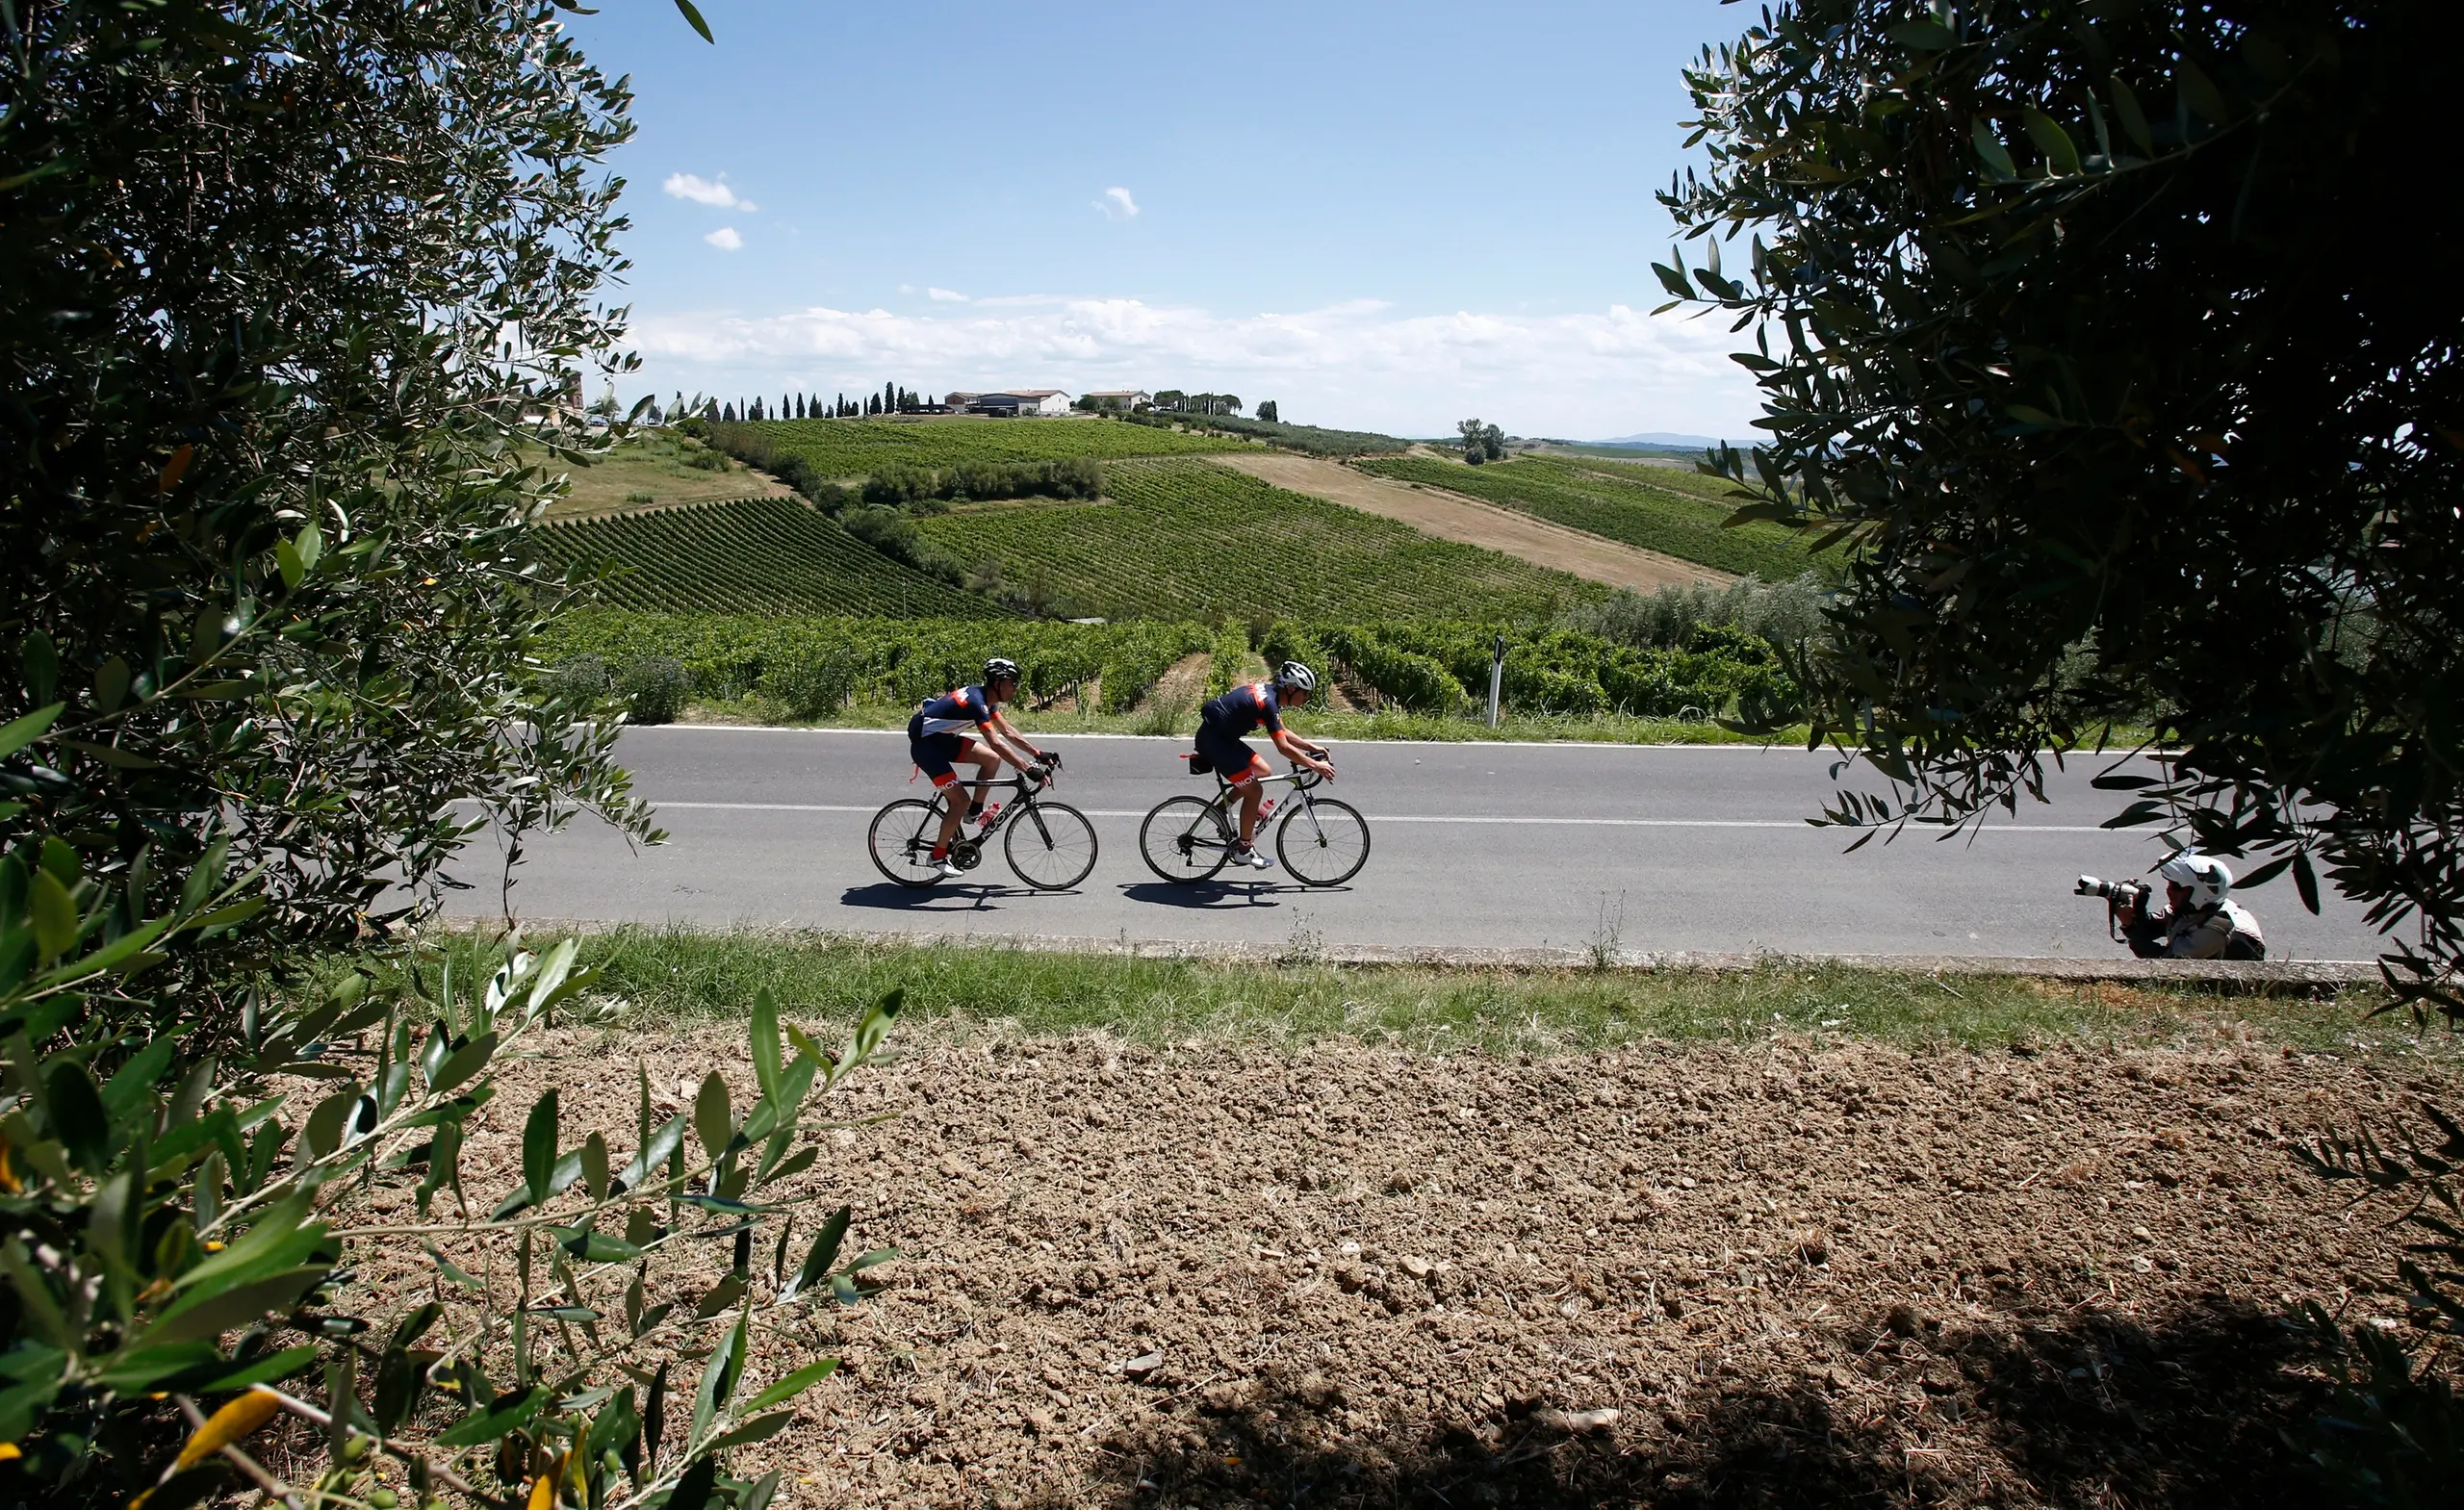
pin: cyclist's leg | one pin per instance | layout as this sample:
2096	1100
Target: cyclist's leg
987	765
964	797
936	756
1239	766
1250	783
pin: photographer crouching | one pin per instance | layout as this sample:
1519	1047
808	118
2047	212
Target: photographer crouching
2199	920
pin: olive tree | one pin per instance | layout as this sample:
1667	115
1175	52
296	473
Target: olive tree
2076	333
296	302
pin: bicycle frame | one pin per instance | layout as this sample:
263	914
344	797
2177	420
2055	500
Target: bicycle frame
1022	799
1301	779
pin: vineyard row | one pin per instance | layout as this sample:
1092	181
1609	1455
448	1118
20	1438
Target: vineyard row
755	554
816	666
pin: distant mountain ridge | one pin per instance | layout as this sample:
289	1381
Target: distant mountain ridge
1658	438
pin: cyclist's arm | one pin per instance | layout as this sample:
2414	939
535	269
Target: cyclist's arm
1009	732
1005	744
1301	752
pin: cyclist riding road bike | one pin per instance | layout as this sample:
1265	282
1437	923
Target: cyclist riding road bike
966	728
1229	718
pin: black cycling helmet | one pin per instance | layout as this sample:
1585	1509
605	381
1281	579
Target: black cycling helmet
1000	668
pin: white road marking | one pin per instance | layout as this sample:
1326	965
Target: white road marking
1598	823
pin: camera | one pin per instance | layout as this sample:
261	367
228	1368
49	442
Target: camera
2113	890
2118	895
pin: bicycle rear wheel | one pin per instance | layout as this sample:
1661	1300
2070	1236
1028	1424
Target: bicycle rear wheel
1184	840
1051	845
902	838
1323	842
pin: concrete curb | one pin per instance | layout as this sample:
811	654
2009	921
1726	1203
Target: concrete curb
2270	976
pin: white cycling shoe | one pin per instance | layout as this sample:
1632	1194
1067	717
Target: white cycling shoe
1251	858
948	870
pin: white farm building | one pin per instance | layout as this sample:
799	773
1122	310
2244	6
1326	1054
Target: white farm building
1012	402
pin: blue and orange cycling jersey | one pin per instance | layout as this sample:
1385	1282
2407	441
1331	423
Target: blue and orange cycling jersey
967	707
1243	709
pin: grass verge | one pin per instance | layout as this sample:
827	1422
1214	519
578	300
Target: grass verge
660	977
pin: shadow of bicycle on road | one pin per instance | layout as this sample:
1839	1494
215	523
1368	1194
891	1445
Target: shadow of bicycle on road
950	896
1220	896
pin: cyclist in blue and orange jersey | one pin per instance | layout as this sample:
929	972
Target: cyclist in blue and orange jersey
965	727
1224	722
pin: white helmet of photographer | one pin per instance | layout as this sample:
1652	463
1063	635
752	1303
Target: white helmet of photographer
2209	882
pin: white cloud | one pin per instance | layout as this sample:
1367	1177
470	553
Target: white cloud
706	191
947	295
1359	364
1118	205
725	238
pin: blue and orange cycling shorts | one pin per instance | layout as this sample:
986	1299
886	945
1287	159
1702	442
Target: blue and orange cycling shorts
1225	751
937	754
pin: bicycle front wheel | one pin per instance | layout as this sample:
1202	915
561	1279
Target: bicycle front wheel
902	841
1184	840
1323	842
1051	845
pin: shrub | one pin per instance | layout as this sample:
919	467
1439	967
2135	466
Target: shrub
2393	1426
895	485
892	532
818	686
655	690
159	1203
584	682
1785	613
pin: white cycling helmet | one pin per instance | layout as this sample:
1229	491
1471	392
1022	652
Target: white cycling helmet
1000	668
1296	677
2210	883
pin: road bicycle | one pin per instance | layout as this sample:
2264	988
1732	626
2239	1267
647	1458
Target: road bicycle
1051	846
1320	841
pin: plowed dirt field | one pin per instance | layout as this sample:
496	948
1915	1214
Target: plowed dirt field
1451	516
1790	1274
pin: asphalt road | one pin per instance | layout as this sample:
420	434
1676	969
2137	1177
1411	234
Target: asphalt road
1498	845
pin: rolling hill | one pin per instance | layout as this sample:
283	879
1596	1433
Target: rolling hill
754	555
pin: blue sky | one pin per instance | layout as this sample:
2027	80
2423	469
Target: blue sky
1381	216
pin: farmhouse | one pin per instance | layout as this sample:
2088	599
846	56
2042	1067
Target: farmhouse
1117	399
1012	402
